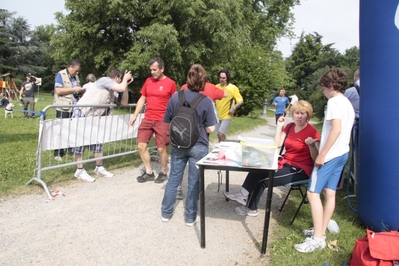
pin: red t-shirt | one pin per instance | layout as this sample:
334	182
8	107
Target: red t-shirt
157	93
297	152
210	90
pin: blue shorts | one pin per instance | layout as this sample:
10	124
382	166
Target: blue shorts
328	175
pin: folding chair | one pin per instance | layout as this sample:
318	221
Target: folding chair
296	186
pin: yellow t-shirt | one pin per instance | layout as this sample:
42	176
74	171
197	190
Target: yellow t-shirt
224	105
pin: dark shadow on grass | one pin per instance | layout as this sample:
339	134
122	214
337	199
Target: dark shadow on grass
25	137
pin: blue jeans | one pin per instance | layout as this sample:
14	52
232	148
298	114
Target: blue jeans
179	159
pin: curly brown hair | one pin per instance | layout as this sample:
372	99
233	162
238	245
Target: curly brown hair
335	77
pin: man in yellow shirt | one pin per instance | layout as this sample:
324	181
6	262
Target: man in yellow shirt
228	105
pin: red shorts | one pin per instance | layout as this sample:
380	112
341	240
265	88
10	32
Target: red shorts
148	128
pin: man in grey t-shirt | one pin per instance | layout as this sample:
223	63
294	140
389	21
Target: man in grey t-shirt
353	93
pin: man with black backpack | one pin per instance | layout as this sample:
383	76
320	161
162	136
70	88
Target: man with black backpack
191	116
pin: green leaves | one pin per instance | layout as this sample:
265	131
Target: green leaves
217	34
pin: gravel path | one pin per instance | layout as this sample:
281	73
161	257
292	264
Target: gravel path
117	221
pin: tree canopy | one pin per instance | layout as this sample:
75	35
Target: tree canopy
217	34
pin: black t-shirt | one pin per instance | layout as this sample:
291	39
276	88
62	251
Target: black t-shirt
29	88
4	102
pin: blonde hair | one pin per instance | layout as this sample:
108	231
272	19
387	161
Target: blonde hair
302	106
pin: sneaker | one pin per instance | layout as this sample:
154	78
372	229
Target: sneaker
242	210
237	197
58	158
192	223
161	178
179	195
145	177
165	219
310	244
83	175
102	171
310	232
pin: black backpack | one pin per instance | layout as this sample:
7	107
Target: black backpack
184	131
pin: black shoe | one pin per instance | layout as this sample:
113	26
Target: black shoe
145	177
161	178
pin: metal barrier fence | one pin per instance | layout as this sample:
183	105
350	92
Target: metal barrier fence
113	131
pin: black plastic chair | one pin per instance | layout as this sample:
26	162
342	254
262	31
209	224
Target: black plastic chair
296	186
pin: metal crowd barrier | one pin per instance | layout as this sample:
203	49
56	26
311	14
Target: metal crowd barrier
113	131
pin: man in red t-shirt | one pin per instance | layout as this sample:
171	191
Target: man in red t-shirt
211	91
155	93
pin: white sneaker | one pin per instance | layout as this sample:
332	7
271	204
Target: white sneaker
242	210
237	197
58	158
310	232
83	175
165	219
192	223
102	171
310	244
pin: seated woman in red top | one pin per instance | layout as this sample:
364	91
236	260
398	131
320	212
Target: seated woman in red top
301	149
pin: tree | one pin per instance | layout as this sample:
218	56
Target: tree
19	53
217	34
309	60
41	37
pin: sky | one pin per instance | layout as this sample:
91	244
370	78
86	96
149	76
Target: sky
336	20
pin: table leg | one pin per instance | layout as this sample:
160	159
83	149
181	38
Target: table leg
268	209
202	205
227	180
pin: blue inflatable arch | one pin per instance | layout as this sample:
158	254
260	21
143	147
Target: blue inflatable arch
378	164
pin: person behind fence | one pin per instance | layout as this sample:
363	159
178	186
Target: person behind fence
301	141
155	93
101	92
67	91
90	79
206	121
333	154
227	106
28	92
3	100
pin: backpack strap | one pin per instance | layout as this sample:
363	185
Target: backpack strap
182	98
197	100
194	103
357	88
286	135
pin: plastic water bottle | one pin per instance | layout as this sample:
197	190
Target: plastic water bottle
333	227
